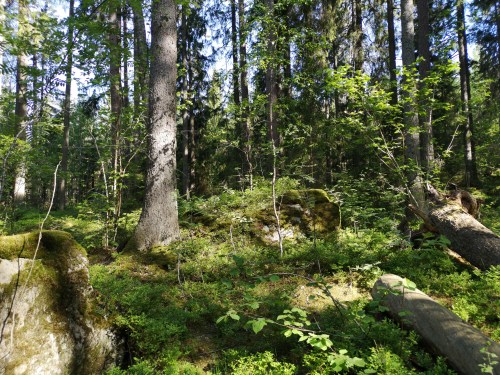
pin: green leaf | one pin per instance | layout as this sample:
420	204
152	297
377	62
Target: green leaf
254	305
258	324
274	278
233	315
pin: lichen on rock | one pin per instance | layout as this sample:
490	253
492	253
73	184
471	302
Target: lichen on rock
48	323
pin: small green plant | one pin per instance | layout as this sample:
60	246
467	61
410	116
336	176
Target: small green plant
491	361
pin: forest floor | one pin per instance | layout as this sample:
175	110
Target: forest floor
223	301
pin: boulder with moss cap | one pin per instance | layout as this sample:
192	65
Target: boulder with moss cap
49	324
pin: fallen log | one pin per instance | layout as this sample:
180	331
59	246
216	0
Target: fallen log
469	238
444	332
454	217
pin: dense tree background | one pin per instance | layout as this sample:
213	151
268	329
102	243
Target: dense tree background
168	120
305	82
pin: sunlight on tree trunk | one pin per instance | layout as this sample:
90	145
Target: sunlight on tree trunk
158	224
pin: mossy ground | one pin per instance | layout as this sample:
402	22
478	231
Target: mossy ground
167	301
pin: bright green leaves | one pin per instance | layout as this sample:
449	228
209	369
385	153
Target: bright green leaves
295	317
341	361
257	324
230	314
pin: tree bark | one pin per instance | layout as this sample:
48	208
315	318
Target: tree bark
443	331
141	61
271	86
234	42
115	90
158	224
471	176
125	47
61	186
410	116
424	67
245	99
185	110
21	109
392	52
358	35
469	238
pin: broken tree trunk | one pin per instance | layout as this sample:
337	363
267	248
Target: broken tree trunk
469	238
453	217
443	331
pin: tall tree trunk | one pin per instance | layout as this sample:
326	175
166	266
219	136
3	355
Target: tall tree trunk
192	152
115	58
471	176
125	48
158	224
392	52
410	117
245	100
234	42
186	168
141	61
192	135
271	87
358	35
61	182
425	117
21	109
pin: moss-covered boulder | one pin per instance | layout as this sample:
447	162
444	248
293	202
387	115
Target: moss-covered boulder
308	212
50	325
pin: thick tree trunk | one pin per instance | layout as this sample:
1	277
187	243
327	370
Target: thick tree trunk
61	185
158	224
443	331
469	238
454	217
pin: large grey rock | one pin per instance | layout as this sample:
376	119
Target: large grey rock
48	323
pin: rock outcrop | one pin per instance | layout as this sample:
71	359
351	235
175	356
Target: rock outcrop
308	212
47	320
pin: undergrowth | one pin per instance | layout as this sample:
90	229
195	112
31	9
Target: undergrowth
223	301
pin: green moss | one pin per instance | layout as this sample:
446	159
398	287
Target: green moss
24	245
